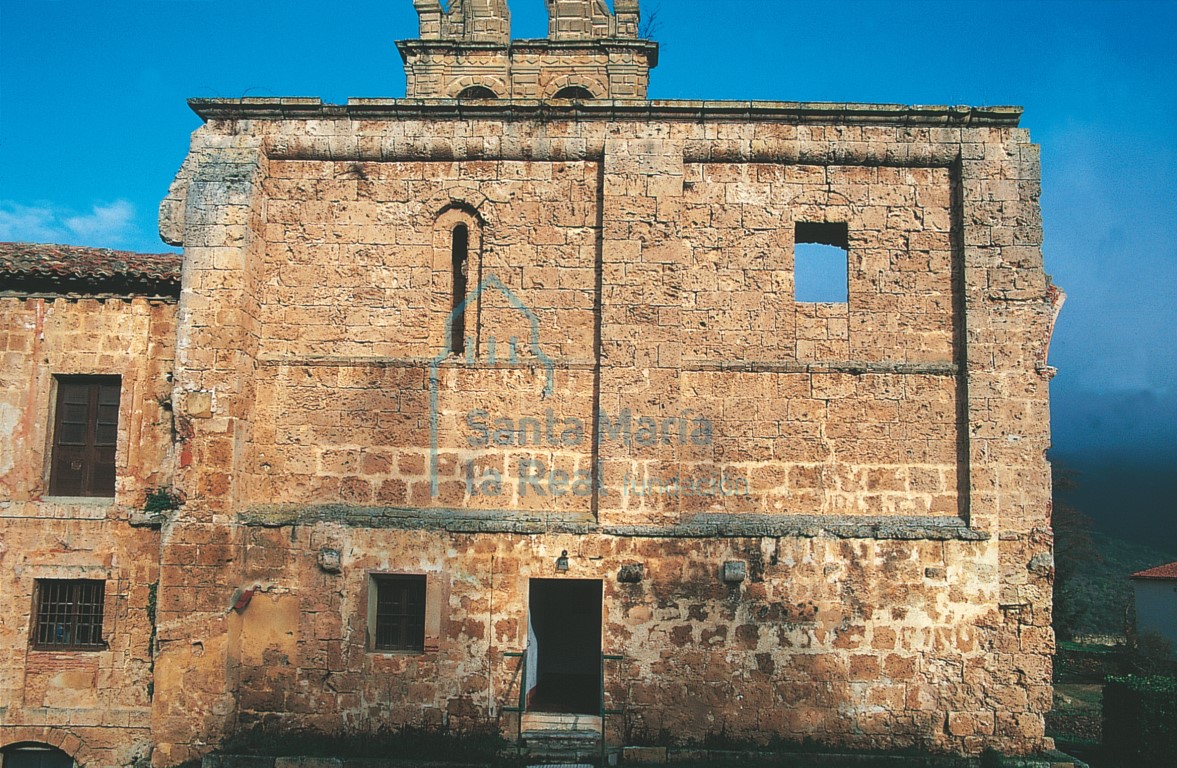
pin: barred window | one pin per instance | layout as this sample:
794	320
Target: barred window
84	436
69	614
399	618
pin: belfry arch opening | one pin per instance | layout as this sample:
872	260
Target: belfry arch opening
477	93
574	92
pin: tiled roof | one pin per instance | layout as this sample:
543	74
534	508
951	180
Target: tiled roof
48	268
1160	573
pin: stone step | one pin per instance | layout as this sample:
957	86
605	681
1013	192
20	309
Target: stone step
559	721
557	736
562	747
559	741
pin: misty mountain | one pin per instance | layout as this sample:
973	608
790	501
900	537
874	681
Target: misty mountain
1122	447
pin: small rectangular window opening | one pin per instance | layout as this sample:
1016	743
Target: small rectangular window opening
460	255
821	258
69	614
399	620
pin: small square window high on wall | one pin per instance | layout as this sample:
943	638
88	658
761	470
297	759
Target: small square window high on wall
85	432
68	614
821	255
396	616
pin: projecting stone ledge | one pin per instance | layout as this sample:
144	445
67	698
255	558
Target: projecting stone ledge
610	109
678	755
809	526
701	526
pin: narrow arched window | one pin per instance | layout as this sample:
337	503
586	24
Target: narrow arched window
460	257
577	92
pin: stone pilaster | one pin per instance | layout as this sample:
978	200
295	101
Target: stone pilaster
217	342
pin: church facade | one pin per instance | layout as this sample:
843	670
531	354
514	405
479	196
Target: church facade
518	394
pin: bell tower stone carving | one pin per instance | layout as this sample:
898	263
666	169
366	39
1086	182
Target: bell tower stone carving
466	52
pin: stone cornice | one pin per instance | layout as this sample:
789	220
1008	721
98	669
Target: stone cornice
609	110
854	367
538	45
701	526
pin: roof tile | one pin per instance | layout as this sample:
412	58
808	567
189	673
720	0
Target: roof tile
1160	573
70	265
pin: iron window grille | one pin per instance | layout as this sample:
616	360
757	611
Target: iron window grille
400	613
69	614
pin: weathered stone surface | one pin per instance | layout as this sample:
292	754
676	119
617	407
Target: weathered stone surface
95	705
589	49
880	537
639	388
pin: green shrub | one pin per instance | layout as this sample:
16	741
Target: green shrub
1153	655
1140	720
479	745
161	499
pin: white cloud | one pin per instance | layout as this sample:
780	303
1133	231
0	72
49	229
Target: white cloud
108	225
20	222
112	220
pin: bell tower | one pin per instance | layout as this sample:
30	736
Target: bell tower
465	51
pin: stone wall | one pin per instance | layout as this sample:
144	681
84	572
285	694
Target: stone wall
96	705
850	642
878	465
84	336
531	69
369	252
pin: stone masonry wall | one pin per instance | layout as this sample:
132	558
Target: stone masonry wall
881	462
527	70
870	644
95	705
222	219
49	337
815	441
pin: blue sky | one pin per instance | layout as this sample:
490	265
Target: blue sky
93	125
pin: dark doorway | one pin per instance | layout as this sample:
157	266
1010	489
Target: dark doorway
565	617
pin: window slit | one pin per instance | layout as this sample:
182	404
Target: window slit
460	260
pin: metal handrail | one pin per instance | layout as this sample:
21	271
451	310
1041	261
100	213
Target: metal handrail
522	693
602	709
604	750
